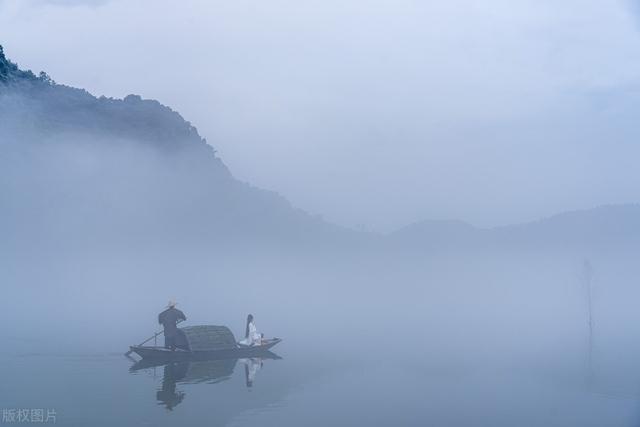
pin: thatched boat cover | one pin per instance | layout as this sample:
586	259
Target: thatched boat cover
209	337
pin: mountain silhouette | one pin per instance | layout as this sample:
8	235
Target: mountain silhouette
83	171
78	171
604	227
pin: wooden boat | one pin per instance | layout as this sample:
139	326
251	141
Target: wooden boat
205	342
153	352
197	358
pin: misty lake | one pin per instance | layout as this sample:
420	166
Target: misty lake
303	389
433	349
435	205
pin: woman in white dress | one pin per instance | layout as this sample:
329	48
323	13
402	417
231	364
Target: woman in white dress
251	334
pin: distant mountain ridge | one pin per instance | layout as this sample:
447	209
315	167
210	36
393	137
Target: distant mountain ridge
82	171
605	226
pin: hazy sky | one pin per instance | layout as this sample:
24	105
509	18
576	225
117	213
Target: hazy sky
375	113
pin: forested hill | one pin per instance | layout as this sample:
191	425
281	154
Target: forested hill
41	105
80	171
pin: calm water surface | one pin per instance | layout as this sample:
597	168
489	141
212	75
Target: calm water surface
495	341
328	389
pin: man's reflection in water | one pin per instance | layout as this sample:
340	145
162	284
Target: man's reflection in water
251	368
167	395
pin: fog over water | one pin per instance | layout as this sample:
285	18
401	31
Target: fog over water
368	337
111	207
375	332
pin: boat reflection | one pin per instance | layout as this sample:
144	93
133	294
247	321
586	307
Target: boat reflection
168	395
251	368
199	372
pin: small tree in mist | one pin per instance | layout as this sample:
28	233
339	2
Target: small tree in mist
45	78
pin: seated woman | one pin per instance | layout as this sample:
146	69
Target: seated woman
251	334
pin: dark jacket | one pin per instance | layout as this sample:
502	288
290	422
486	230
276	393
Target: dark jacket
169	319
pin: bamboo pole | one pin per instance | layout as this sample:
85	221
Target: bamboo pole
153	337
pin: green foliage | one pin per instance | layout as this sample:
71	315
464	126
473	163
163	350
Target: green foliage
54	108
44	77
9	71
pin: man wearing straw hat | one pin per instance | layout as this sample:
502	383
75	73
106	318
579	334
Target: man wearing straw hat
169	320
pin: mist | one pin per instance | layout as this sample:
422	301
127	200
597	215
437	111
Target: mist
386	113
443	229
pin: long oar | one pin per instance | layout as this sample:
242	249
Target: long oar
150	338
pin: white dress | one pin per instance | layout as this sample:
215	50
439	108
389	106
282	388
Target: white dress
253	366
254	338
